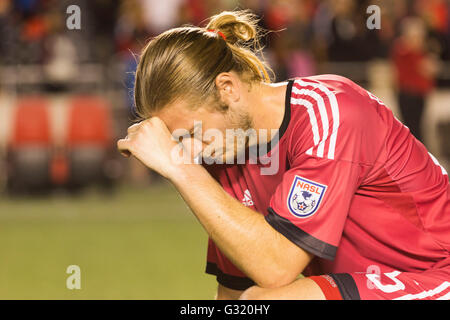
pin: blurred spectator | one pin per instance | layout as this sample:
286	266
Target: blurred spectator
61	66
306	33
304	37
160	15
347	32
130	36
416	69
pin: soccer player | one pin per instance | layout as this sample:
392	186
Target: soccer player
343	192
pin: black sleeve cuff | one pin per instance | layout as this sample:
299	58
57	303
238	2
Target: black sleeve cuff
346	285
229	281
300	237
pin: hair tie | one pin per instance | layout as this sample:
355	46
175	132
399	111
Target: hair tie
219	33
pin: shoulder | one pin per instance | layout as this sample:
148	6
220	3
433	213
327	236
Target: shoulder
334	98
331	85
329	111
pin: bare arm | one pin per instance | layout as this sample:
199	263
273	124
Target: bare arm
243	235
224	293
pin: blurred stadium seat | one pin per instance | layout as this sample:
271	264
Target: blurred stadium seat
30	145
89	138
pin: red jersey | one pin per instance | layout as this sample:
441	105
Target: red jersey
353	187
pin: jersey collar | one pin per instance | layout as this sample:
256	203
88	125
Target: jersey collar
286	117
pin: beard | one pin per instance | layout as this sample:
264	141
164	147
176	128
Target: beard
239	120
243	135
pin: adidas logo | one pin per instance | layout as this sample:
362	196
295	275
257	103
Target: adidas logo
247	200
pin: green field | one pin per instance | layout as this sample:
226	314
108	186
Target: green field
137	244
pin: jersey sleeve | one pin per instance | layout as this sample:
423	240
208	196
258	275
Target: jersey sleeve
227	274
311	204
217	264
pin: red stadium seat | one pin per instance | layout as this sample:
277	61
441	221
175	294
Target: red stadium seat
31	123
89	138
29	149
89	122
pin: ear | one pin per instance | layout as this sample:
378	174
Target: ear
229	88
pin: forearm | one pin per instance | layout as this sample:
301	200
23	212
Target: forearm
224	293
241	233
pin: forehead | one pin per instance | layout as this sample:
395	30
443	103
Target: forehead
175	115
179	115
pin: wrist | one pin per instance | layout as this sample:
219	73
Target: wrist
183	172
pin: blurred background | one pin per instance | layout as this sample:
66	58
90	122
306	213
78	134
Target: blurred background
66	195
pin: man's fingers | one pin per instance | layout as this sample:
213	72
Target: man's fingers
134	127
123	145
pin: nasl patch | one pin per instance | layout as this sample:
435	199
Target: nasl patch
305	197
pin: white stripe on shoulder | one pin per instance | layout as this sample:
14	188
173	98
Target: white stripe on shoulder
334	113
312	119
323	115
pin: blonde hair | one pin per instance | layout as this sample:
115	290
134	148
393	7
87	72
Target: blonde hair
183	63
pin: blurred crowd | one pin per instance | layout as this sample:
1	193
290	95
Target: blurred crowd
306	32
306	37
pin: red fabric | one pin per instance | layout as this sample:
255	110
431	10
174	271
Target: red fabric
389	284
328	286
385	199
409	65
219	33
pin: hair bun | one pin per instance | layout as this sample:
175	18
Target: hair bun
237	26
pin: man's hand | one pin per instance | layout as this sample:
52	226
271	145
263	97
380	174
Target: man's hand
151	142
242	234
